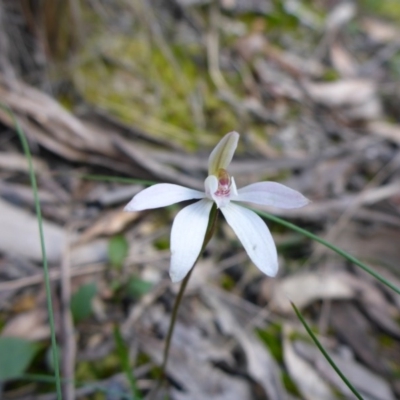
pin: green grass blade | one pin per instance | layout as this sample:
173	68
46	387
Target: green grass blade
324	352
123	354
342	253
25	146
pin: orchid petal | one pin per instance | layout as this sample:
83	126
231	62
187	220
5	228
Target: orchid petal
223	152
211	186
161	195
233	187
187	237
271	194
255	237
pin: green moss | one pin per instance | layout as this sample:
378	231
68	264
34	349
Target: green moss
289	385
132	79
3	320
100	369
331	75
383	8
162	243
394	65
386	341
396	371
227	282
271	337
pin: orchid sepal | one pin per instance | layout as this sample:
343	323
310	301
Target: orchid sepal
222	155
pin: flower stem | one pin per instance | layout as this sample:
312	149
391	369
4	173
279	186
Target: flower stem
209	233
173	320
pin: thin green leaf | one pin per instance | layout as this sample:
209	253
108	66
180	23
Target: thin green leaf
123	353
32	176
50	360
137	287
81	301
342	253
118	248
324	352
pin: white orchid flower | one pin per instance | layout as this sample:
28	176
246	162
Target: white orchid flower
190	224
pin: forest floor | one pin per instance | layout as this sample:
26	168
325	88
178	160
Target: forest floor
114	95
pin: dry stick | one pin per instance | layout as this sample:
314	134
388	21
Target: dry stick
76	14
213	50
37	279
55	274
68	346
5	64
208	236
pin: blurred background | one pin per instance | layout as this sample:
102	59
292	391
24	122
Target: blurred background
112	90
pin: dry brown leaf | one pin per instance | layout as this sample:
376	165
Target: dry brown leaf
244	6
374	301
64	149
340	15
305	288
349	92
15	162
23	194
259	363
19	235
116	195
276	81
391	276
31	325
110	223
143	157
365	381
308	381
385	129
355	330
90	253
355	98
343	61
377	244
27	100
381	316
251	45
380	31
189	364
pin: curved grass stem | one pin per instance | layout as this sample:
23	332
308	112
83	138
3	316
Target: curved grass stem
54	348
